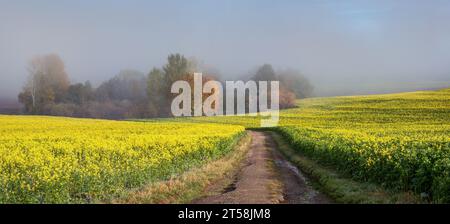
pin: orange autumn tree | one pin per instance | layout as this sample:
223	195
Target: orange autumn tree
205	78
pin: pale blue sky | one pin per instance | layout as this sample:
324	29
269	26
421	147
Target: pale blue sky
332	42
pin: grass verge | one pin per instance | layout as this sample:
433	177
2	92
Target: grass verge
191	184
338	187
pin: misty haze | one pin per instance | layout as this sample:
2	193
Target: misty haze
350	47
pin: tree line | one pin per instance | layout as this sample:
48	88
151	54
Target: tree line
131	94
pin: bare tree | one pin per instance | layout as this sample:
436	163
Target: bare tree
46	84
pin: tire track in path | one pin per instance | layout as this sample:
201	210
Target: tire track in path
266	177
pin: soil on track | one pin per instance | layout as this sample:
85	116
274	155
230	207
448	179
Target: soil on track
265	177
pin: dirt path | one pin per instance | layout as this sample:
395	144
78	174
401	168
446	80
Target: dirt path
266	177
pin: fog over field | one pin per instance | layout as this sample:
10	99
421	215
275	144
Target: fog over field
343	47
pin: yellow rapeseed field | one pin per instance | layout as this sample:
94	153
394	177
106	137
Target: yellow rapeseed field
65	160
401	141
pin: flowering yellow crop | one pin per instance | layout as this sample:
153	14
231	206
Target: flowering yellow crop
59	160
399	140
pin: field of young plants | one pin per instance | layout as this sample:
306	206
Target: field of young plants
401	141
64	160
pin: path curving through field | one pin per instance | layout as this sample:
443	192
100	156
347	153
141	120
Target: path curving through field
266	177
